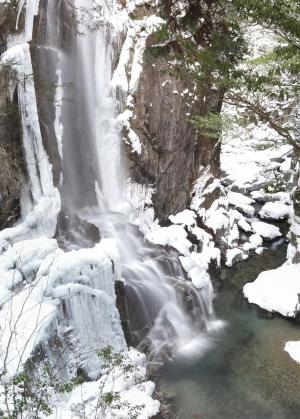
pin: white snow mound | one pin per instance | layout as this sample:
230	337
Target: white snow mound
265	230
293	349
275	211
276	290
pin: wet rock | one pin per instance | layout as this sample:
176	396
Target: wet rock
122	307
167	400
71	229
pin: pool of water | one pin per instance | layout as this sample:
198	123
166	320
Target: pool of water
245	374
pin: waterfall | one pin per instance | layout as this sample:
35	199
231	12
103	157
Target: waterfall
166	312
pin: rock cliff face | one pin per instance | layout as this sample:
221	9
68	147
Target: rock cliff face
172	155
8	23
12	168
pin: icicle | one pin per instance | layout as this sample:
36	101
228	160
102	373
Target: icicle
38	166
32	7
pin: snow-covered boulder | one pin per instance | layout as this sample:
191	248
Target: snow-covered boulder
235	255
275	211
186	217
241	202
174	236
255	241
277	290
261	196
265	230
293	349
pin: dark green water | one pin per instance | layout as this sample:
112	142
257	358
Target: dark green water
246	374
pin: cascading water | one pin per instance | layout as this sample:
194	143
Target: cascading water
165	312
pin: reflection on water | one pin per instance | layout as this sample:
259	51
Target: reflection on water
245	374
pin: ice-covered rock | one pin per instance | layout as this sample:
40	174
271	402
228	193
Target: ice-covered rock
49	293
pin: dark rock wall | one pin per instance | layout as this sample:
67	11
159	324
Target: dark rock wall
172	153
8	17
12	166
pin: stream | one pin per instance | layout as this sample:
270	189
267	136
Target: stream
245	373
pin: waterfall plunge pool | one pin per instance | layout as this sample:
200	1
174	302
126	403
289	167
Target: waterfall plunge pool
246	374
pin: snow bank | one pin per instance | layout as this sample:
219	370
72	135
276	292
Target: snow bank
276	290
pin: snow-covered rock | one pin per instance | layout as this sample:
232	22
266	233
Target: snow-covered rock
244	225
186	217
255	241
276	290
174	236
264	197
134	394
275	211
293	349
236	199
234	255
241	202
265	230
